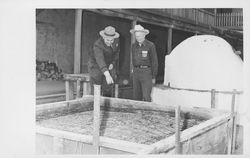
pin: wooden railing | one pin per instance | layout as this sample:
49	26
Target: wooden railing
229	20
201	16
197	16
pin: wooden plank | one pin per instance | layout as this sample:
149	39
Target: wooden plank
50	106
213	98
78	88
170	31
177	130
132	104
96	133
213	142
195	90
190	133
234	133
85	89
69	87
88	139
58	108
57	145
122	145
77	46
74	77
64	134
230	137
51	96
67	90
116	90
231	19
234	120
132	41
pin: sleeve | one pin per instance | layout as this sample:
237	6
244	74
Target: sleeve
154	61
98	54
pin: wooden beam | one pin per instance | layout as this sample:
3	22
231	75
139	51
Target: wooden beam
170	32
77	48
116	90
78	88
57	145
96	139
85	89
165	87
213	98
177	130
234	120
69	90
121	145
50	96
132	41
231	142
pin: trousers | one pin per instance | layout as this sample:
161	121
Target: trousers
142	84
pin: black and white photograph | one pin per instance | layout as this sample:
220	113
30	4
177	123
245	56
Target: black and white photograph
137	78
139	81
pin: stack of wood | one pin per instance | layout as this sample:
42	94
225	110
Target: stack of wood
46	70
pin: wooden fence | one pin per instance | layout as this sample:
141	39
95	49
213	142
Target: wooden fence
229	20
201	16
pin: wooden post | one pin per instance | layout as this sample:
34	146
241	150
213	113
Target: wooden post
196	16
77	48
177	130
234	120
116	91
69	90
215	18
57	145
170	32
233	124
132	41
213	98
231	19
85	88
97	101
78	88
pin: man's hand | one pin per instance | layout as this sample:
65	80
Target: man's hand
108	77
111	66
153	80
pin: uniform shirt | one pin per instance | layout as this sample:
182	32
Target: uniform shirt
102	55
145	55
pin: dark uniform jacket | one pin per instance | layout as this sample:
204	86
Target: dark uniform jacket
101	56
145	55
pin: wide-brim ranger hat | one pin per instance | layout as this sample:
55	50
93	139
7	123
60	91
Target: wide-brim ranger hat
139	28
109	32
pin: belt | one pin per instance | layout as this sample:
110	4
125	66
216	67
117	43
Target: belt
142	66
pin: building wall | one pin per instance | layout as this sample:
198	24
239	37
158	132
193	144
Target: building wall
55	37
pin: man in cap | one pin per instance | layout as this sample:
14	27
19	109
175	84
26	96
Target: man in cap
145	64
103	60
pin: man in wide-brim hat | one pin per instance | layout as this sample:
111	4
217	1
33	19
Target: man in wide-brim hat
145	64
103	59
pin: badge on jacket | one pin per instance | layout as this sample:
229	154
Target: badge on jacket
144	53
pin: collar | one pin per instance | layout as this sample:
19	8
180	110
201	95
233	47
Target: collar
104	44
143	43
